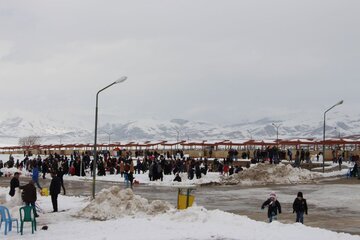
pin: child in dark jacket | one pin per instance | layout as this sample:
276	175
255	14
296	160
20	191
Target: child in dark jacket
273	207
300	207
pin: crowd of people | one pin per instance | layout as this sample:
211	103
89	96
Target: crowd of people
157	165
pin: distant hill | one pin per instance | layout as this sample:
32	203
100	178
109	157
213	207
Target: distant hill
54	132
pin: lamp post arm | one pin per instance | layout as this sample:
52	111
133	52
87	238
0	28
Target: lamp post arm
330	108
104	88
339	103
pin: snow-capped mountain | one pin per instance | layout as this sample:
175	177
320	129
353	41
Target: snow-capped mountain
52	131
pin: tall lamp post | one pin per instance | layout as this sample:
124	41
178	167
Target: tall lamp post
109	134
277	132
120	80
250	133
323	154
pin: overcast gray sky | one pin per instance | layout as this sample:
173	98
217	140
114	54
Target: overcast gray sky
219	61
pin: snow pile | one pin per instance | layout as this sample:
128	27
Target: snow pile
115	203
8	201
16	200
270	174
9	171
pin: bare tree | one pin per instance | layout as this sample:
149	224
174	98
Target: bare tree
29	140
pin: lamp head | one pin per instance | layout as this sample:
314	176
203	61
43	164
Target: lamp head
341	102
121	79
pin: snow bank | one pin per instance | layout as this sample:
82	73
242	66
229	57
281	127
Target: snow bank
115	203
7	200
195	223
10	171
270	174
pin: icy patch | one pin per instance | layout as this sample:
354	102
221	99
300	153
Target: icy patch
115	203
271	174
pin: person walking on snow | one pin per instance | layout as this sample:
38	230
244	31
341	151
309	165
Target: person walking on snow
55	188
300	207
273	207
35	176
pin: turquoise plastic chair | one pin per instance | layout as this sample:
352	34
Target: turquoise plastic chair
6	218
27	214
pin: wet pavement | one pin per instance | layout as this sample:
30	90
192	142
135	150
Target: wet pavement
333	204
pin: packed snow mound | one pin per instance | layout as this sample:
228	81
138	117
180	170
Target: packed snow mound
8	201
116	203
262	174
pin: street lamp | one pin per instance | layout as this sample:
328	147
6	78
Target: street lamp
177	134
60	138
109	134
120	80
277	131
339	103
250	132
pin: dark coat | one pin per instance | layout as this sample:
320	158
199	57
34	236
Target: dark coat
274	207
14	183
300	205
55	186
177	179
29	193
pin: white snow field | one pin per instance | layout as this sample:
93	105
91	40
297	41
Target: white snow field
135	220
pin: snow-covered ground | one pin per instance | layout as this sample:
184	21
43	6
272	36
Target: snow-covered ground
193	223
132	217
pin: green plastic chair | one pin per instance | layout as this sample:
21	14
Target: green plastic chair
27	215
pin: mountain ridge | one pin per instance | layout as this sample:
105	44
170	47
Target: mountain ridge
54	132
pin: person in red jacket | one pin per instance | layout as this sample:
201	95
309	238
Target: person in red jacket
72	170
226	170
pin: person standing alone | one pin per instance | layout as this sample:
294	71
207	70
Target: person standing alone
55	188
14	183
29	195
300	207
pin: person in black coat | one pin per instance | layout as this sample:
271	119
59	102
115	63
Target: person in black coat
29	195
55	188
14	183
300	207
177	178
273	207
60	175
